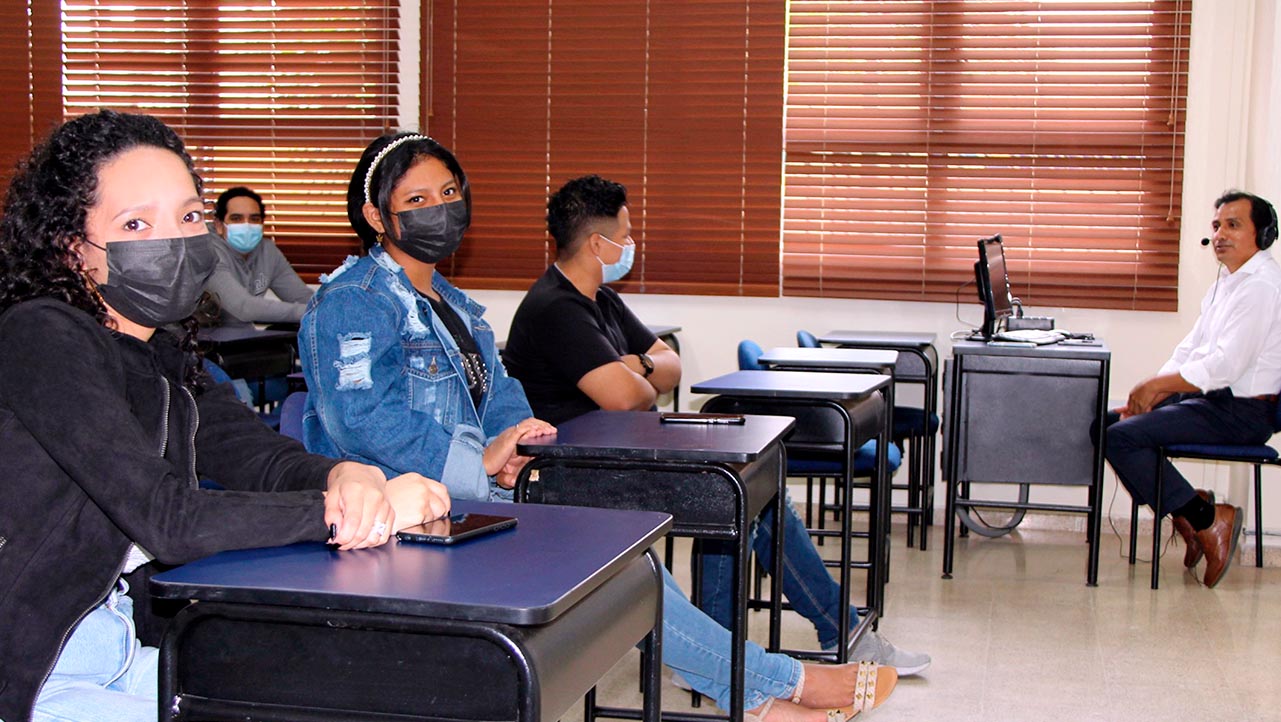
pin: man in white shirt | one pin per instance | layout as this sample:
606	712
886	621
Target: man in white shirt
1219	386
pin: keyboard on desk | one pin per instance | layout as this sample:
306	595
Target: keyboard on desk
1029	335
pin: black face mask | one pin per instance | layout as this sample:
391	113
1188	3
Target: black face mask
159	281
432	234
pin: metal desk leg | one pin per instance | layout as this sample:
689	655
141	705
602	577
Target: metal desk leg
652	654
1095	518
738	632
953	438
776	573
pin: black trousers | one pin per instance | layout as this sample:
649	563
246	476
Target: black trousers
1214	418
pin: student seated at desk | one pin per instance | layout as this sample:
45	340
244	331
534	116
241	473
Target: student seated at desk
403	372
576	347
251	266
109	424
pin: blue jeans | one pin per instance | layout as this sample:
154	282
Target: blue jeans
103	674
812	591
1214	418
699	649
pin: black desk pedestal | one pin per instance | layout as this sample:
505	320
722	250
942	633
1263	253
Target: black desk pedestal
864	419
514	626
708	500
246	661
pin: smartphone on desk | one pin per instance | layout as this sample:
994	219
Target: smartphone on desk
692	417
455	528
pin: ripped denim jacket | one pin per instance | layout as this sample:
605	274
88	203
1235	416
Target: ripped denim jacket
385	380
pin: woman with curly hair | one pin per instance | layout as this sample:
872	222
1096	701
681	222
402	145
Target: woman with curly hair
107	424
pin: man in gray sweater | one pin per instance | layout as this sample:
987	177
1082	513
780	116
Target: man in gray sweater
249	265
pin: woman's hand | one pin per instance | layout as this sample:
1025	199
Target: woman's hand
356	503
416	500
503	449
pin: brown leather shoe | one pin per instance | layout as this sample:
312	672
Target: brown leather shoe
1220	541
1193	553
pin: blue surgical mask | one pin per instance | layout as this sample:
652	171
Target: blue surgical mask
244	237
611	272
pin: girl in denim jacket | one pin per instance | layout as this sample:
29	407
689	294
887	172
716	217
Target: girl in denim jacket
404	374
405	370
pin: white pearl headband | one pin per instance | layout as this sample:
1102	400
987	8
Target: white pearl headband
369	174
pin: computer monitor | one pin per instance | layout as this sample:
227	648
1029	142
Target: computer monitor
993	285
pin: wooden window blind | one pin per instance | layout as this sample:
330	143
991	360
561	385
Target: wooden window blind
29	79
278	95
915	128
679	101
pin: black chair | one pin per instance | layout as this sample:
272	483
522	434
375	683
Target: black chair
815	450
909	430
1257	455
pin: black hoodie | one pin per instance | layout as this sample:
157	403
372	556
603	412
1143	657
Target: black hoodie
101	446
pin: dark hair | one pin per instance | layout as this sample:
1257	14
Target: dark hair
220	207
580	202
1262	214
390	169
49	199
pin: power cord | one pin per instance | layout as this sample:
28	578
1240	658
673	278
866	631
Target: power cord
956	297
1122	541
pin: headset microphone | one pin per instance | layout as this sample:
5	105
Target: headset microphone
1205	241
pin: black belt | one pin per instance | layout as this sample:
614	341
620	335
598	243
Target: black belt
1270	398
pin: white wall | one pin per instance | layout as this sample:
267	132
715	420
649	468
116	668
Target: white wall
1233	91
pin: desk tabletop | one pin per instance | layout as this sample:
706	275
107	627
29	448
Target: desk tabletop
554	557
794	384
1061	350
661	330
852	358
234	334
640	436
888	339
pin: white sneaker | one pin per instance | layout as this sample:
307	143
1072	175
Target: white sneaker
872	647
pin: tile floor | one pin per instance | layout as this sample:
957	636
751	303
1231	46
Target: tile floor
1018	636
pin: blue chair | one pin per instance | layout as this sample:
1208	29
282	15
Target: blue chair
1254	454
749	356
291	414
240	387
805	339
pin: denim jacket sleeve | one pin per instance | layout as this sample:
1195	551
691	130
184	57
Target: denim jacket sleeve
507	403
363	392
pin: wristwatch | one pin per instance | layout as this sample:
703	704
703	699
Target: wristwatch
646	363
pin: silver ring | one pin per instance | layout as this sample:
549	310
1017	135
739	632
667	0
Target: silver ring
379	528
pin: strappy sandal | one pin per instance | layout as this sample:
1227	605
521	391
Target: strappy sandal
868	694
871	688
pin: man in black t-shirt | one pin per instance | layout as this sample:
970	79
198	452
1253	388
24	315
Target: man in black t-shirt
574	345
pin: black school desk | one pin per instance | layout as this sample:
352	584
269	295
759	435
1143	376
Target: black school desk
714	479
857	400
517	625
919	364
1023	415
250	353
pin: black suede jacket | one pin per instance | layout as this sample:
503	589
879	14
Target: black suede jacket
102	445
